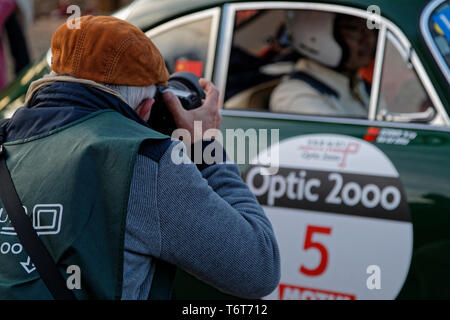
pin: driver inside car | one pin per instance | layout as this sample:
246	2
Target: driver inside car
326	80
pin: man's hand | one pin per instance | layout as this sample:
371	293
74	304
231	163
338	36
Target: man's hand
207	113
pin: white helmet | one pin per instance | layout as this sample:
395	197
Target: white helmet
312	35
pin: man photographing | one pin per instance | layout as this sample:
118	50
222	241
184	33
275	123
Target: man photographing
102	192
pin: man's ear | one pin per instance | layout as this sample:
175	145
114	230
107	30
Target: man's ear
144	108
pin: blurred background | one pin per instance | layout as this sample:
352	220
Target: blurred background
35	21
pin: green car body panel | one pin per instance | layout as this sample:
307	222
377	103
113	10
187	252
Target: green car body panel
147	14
422	163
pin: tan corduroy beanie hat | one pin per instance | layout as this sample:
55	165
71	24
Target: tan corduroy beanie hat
108	50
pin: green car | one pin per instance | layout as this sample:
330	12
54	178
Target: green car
357	181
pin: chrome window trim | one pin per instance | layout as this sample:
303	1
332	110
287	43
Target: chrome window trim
223	50
424	19
48	57
377	72
429	88
213	13
265	115
125	12
214	34
224	47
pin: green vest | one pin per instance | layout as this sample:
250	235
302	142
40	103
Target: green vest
74	183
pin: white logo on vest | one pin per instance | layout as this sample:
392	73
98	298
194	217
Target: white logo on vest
46	219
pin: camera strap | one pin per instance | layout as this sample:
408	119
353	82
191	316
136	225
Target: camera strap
28	237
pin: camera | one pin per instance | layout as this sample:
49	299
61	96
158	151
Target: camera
186	87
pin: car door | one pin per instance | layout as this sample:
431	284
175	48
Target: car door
359	205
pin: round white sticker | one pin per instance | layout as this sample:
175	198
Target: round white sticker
340	216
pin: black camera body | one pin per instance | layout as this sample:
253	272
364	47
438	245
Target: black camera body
186	87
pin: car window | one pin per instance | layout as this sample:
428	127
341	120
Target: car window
301	62
402	95
185	45
439	26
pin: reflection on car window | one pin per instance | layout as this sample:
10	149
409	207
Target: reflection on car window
301	61
185	47
439	26
401	90
257	42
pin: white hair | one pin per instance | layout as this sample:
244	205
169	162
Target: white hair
133	95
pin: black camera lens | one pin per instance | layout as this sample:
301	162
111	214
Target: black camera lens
186	87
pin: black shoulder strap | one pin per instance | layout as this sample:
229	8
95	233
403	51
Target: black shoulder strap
28	237
316	84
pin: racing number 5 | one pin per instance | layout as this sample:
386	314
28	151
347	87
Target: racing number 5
309	244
